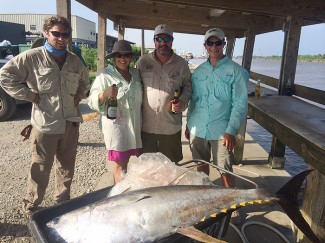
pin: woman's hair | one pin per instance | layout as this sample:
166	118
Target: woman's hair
56	20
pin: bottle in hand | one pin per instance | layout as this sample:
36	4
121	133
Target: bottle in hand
175	100
258	89
112	107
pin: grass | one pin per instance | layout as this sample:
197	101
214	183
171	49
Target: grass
92	76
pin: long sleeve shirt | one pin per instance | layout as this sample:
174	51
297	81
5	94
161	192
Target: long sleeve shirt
159	83
56	87
219	101
124	132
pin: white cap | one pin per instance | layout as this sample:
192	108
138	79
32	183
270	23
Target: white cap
163	29
214	32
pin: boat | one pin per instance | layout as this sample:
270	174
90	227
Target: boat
189	55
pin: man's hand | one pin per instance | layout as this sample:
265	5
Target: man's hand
229	141
77	100
178	106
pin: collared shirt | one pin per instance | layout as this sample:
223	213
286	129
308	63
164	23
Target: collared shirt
124	132
55	87
219	101
159	84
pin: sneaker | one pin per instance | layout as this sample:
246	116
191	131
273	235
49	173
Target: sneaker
235	217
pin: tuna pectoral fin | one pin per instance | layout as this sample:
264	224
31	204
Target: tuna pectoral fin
198	235
288	201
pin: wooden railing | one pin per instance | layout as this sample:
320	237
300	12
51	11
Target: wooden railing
314	95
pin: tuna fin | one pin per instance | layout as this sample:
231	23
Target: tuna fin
288	201
198	235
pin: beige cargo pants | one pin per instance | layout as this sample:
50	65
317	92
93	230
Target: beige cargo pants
45	147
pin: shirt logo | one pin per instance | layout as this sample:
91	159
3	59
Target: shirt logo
148	68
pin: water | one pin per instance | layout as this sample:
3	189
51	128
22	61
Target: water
307	74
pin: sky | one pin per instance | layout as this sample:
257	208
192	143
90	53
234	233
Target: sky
265	44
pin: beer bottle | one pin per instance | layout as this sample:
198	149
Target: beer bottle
112	107
175	100
258	89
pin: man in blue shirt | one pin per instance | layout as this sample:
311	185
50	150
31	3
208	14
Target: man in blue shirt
218	106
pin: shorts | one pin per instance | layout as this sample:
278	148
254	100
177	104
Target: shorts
123	157
201	149
169	145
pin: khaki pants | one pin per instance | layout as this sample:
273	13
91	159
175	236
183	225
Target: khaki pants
44	148
201	149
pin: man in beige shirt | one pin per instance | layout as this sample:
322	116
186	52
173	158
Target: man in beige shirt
162	72
57	81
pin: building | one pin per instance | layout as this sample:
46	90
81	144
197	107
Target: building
84	31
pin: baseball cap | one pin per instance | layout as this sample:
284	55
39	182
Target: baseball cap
163	29
214	32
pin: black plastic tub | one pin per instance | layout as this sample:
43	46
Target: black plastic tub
214	226
37	223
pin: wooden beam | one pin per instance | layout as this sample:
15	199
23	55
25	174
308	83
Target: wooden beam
292	28
247	60
230	47
304	8
101	42
188	28
63	8
313	206
248	50
187	15
121	29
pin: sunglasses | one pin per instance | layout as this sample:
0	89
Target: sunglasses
59	34
217	43
165	39
119	55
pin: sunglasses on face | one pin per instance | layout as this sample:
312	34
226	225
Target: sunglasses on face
119	55
59	34
217	43
165	39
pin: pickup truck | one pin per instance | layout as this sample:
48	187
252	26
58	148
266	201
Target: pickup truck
8	105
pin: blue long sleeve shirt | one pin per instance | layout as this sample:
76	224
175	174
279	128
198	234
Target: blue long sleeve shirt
219	100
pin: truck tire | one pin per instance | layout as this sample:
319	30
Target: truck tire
8	106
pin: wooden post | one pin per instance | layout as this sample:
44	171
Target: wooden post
101	42
247	61
276	158
313	206
63	8
142	43
121	30
292	29
230	46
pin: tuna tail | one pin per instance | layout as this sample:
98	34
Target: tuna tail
288	201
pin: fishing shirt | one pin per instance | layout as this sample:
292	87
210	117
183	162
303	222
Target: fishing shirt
56	87
219	101
124	132
159	84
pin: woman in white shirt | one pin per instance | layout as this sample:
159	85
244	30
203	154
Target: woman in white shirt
122	135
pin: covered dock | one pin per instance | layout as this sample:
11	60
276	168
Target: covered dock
293	122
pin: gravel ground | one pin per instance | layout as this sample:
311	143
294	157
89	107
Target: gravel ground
15	163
